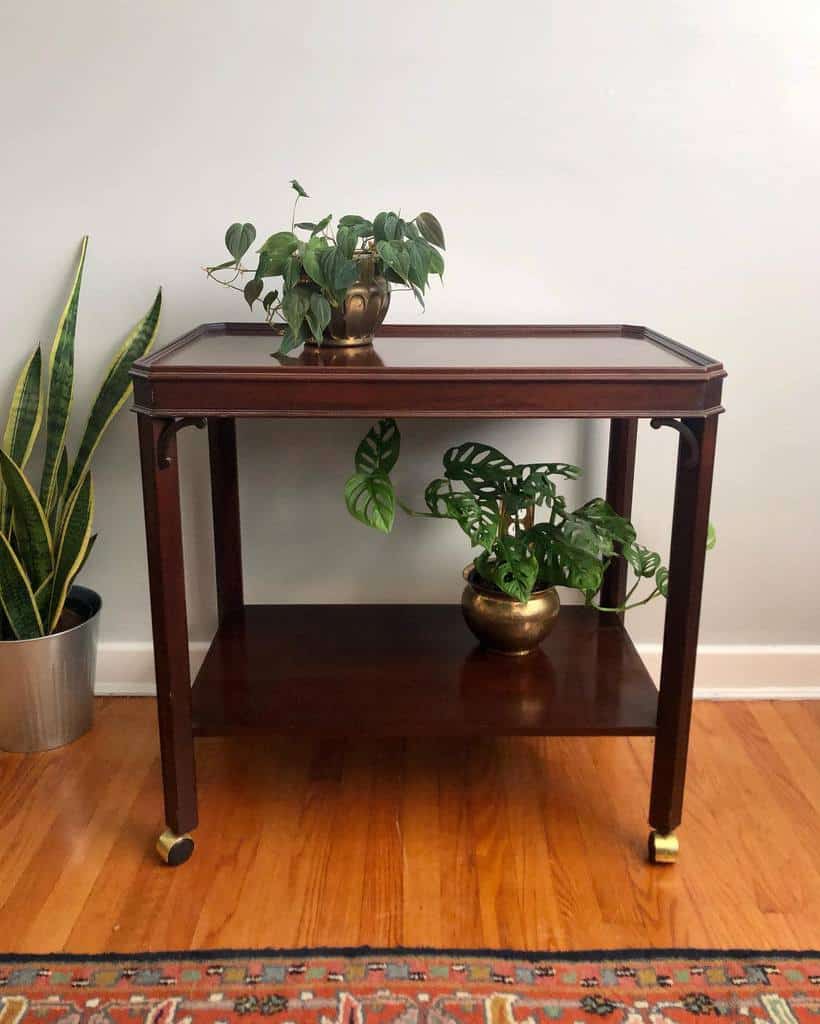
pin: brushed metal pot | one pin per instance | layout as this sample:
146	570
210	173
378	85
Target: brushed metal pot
504	625
354	322
47	684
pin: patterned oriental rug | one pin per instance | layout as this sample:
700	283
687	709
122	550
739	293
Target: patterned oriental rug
369	986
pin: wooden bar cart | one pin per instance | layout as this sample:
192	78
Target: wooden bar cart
416	669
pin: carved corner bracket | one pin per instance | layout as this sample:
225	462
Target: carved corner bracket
692	456
170	431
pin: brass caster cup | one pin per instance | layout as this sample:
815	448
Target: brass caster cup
663	849
174	849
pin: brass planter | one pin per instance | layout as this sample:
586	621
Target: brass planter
355	321
504	625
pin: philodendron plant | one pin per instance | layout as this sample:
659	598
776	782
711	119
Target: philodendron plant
318	266
494	501
46	532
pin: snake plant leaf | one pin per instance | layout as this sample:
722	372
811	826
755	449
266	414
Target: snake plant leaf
73	545
23	424
16	595
370	499
114	391
482	468
379	448
60	388
42	596
62	480
31	530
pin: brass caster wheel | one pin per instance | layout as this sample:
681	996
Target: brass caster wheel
663	849
174	849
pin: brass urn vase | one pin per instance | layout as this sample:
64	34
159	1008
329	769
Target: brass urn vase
355	320
502	624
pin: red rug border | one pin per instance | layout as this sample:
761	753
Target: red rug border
358	952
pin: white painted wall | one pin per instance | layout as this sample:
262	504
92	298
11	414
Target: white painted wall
591	161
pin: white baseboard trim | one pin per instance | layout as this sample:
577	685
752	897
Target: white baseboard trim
724	671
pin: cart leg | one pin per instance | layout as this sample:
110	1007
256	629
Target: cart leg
227	530
163	530
623	438
690	524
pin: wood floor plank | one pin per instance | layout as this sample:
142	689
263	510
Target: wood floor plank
527	842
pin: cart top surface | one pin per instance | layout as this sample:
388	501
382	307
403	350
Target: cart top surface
437	348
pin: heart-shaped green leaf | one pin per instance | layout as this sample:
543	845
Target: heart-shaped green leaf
252	290
239	238
430	229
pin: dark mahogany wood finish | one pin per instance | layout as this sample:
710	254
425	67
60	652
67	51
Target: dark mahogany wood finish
409	670
413	670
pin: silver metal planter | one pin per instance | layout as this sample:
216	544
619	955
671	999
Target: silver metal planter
47	684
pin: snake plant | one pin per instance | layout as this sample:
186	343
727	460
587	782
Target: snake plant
46	533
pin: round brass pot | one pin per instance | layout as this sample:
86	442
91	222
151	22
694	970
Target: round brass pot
354	322
504	625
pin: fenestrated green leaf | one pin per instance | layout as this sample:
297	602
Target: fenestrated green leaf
378	450
370	499
430	229
294	184
643	561
60	388
239	238
318	315
16	595
22	425
478	517
434	495
481	467
252	290
72	547
31	530
662	581
114	391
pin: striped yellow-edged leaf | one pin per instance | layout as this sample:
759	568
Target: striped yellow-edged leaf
60	388
74	541
23	423
115	389
42	596
16	595
31	531
62	480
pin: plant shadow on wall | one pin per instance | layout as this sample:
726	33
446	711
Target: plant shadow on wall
510	602
48	625
335	282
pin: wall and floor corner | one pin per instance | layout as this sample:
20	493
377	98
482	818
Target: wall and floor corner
590	163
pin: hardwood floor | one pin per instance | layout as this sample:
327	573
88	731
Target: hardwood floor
515	843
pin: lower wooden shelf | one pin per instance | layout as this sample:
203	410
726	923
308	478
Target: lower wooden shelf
413	670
